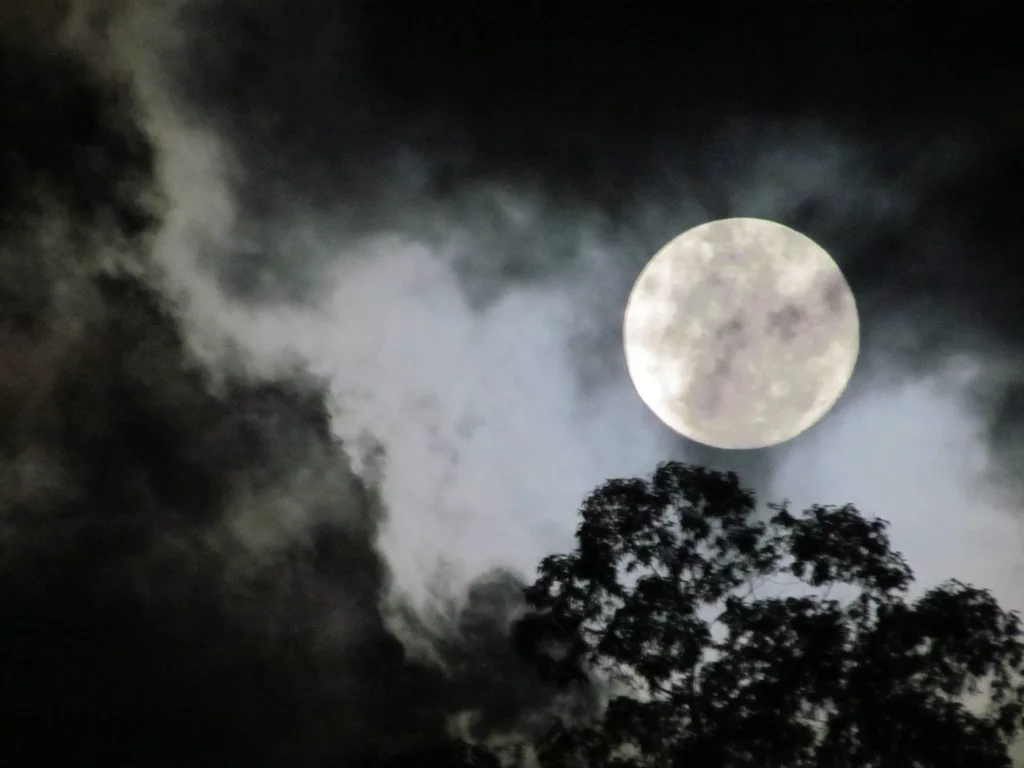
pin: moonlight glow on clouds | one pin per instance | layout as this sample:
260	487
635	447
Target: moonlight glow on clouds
467	399
457	274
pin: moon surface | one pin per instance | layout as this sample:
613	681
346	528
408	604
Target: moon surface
741	333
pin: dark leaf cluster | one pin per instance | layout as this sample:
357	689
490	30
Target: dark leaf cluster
733	638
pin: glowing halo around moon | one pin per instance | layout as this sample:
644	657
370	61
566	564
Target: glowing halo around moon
741	333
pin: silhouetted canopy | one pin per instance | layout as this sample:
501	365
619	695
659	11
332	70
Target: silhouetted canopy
731	640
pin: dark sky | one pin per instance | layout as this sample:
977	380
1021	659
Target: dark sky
239	241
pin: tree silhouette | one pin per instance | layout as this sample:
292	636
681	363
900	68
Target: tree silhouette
731	640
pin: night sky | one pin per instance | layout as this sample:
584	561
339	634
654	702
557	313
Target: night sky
310	336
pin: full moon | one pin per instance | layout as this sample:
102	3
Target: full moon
741	333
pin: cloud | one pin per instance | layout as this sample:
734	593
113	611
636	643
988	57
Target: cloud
189	567
459	275
257	250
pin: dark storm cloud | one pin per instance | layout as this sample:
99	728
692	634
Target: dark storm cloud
189	572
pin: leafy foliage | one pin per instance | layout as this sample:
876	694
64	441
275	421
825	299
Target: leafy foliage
733	640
